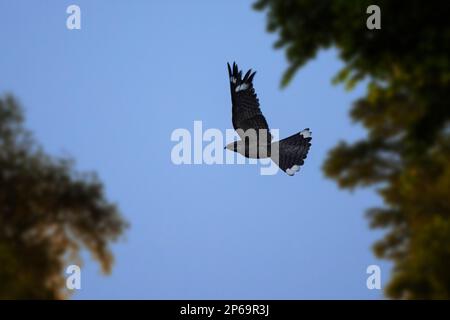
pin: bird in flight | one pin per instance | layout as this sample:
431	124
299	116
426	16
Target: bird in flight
256	141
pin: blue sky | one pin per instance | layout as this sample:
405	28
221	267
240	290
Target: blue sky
110	96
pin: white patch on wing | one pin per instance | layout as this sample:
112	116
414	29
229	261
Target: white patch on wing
241	87
233	79
306	133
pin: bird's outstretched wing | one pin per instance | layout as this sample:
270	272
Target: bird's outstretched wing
246	113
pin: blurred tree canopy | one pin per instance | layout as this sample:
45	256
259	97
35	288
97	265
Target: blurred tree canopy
48	212
406	112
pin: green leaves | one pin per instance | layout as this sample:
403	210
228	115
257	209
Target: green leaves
406	113
48	213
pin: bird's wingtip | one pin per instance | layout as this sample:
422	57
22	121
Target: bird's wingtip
235	72
307	133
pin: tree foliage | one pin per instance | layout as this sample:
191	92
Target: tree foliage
406	112
48	213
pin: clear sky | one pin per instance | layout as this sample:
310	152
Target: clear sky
110	96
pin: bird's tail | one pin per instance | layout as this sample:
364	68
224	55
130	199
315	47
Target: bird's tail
289	154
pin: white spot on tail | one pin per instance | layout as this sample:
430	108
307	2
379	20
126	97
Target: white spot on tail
293	170
306	133
242	87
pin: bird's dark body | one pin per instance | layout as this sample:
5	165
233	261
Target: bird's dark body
262	151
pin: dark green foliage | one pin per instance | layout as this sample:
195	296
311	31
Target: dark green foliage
48	213
407	115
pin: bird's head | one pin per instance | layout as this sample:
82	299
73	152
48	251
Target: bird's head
233	146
